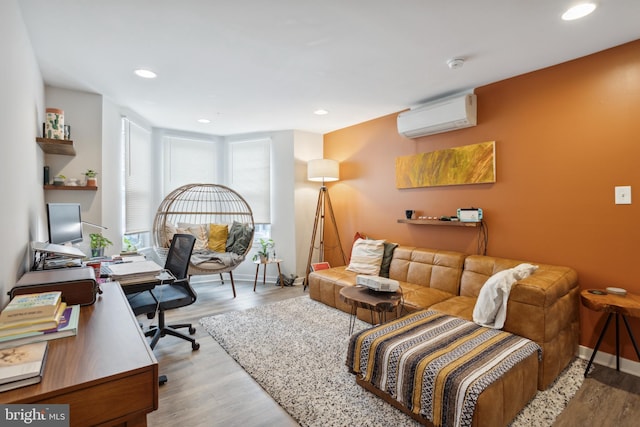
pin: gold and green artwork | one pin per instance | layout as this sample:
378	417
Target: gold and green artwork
469	164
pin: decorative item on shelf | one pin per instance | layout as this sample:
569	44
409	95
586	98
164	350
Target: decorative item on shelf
59	180
98	243
263	253
54	126
90	174
409	213
72	182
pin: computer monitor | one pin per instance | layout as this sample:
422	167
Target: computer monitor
64	223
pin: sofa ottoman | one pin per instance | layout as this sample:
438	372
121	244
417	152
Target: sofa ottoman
444	370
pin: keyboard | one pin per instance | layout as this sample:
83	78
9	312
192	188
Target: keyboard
105	270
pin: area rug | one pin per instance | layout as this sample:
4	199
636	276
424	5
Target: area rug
296	350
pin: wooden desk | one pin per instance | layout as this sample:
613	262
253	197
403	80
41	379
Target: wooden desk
107	374
620	305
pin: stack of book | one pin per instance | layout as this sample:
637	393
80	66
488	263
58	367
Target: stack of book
22	366
37	317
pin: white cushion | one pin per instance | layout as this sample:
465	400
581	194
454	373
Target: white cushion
366	256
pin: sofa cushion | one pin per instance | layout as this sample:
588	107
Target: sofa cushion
366	256
456	306
427	267
415	297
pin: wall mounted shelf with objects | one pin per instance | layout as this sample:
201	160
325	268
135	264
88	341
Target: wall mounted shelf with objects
57	146
71	187
439	222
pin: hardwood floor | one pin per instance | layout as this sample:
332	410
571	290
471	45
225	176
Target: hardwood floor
208	388
606	398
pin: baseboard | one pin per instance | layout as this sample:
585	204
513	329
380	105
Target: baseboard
609	360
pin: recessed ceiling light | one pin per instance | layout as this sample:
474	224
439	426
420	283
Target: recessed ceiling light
205	121
578	11
145	74
320	112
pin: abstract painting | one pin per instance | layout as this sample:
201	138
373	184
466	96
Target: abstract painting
469	164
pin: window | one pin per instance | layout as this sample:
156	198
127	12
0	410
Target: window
138	159
250	175
188	161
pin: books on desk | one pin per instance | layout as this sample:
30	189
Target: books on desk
33	325
134	273
131	269
31	306
22	365
68	326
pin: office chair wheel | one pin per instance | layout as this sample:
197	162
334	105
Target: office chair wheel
195	346
162	379
192	330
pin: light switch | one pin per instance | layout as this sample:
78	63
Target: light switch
623	195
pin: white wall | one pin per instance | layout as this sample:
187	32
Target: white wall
83	112
21	117
307	146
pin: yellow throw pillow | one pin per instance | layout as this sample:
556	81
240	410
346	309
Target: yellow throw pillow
218	234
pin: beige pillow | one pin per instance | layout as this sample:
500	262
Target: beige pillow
218	234
169	231
366	256
199	231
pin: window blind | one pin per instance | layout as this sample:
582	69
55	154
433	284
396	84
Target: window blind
138	158
188	161
250	175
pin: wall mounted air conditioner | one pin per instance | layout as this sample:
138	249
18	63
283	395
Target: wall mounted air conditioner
439	116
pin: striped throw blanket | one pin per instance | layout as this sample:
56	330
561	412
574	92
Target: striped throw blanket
434	364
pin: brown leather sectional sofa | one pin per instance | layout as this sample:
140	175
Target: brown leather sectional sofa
542	307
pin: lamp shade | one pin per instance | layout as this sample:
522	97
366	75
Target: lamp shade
323	170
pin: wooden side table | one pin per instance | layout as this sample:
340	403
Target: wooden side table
620	305
376	302
258	263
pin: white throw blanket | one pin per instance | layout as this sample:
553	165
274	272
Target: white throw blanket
226	259
491	307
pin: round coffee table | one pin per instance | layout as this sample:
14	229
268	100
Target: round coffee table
374	301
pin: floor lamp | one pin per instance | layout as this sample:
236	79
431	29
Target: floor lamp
322	170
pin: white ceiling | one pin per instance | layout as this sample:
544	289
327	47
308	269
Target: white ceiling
258	65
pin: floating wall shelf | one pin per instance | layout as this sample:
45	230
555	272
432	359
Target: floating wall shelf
57	146
71	187
438	222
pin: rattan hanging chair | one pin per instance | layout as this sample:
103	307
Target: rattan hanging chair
204	210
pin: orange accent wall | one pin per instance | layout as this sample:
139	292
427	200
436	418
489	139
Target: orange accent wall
565	137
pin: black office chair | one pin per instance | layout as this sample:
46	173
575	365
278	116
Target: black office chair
178	293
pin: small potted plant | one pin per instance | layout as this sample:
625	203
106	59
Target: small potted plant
90	174
98	243
263	252
129	247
